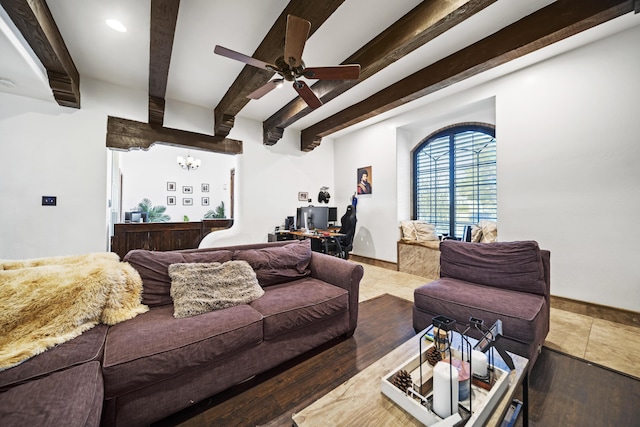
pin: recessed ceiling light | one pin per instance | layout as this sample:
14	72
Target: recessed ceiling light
116	25
6	83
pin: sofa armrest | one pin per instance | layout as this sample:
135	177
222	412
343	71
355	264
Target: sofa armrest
340	273
546	265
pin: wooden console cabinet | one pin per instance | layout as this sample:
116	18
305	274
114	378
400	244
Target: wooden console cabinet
163	236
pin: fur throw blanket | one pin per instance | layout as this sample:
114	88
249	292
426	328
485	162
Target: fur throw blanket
48	301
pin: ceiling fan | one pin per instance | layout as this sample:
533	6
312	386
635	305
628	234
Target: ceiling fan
291	67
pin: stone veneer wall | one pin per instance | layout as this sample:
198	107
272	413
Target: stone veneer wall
421	259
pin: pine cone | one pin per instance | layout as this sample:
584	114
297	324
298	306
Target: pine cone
433	356
402	380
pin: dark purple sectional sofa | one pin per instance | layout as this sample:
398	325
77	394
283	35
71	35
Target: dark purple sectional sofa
509	281
144	369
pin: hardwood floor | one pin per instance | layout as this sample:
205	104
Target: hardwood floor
270	399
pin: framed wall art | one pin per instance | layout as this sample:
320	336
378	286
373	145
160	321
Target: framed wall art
187	189
205	201
171	200
171	186
187	201
303	196
364	180
204	188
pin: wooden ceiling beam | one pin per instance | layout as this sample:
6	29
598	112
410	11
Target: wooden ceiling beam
164	15
271	47
123	134
34	20
553	23
423	23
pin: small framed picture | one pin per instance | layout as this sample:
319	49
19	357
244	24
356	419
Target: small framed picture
187	189
205	201
204	188
171	200
171	186
303	196
187	201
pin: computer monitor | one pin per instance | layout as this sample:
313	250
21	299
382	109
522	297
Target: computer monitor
316	217
333	214
466	233
136	216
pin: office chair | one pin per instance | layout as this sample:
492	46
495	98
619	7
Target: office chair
340	246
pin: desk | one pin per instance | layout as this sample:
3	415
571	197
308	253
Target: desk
322	238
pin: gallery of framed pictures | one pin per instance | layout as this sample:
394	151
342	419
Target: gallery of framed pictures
187	189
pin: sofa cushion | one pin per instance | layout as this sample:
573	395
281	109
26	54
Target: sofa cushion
197	288
68	398
508	265
278	264
294	305
153	268
520	312
155	345
85	348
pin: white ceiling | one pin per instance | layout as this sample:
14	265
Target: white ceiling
199	77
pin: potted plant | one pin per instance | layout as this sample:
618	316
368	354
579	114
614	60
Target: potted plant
154	213
217	213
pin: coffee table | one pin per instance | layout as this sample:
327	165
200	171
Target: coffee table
359	401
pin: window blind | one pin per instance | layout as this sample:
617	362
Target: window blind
455	181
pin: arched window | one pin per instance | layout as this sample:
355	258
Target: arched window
454	178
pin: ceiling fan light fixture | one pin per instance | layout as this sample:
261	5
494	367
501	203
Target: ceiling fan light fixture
116	25
293	67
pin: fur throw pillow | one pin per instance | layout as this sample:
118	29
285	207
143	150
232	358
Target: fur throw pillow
198	288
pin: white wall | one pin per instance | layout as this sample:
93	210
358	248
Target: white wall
51	151
568	159
268	182
567	168
145	175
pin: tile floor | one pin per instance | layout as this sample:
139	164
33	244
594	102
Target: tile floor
583	336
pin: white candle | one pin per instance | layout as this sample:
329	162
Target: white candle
445	389
479	363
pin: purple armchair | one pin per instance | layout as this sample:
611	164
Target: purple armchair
509	281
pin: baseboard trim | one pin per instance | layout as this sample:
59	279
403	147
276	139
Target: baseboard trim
372	261
612	314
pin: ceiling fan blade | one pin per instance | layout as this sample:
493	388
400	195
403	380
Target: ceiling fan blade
295	39
307	94
339	72
265	89
223	51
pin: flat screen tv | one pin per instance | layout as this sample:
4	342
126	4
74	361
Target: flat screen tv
313	218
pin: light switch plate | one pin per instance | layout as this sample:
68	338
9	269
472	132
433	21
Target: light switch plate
49	200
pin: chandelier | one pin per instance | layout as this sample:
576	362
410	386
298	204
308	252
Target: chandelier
189	164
